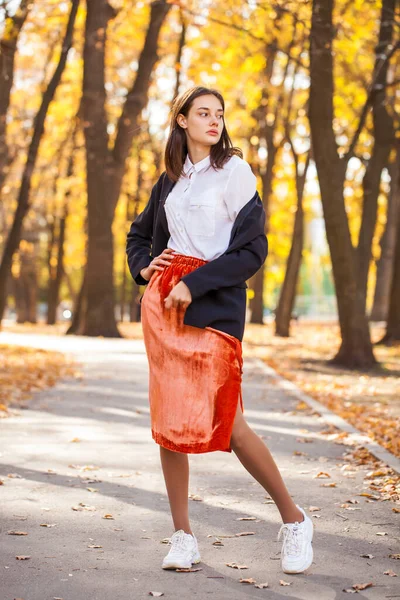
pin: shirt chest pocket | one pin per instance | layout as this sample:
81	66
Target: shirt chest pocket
201	216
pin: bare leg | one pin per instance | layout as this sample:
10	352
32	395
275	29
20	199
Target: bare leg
257	459
175	467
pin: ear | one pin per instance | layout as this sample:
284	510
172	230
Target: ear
181	120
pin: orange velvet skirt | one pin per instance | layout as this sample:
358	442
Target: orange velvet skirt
195	374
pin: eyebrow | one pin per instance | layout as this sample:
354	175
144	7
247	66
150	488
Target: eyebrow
206	108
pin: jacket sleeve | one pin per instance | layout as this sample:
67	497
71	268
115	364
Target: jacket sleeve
230	269
139	239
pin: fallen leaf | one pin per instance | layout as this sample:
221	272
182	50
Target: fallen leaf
331	484
282	582
22	557
250	580
381	533
83	506
362	586
390	573
246	518
322	474
234	565
395	556
217	543
367	495
157	594
395	509
48	524
353	501
90	489
94	546
244	533
17	533
195	497
261	585
75	439
191	570
108	516
313	508
367	556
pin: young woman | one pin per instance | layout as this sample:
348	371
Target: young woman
200	237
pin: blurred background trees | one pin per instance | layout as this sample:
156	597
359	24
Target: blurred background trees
312	93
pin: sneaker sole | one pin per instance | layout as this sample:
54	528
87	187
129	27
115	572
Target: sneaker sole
177	566
304	567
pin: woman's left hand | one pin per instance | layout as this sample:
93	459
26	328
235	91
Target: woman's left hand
179	296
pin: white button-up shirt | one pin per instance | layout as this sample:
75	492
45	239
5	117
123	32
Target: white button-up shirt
204	203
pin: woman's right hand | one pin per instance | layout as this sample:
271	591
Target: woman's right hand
164	258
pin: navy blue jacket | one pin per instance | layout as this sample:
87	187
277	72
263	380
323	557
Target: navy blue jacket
218	288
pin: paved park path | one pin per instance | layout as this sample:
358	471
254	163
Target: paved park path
86	444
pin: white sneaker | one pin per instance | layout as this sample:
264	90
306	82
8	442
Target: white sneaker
183	553
297	551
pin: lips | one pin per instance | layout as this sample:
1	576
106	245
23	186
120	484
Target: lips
213	132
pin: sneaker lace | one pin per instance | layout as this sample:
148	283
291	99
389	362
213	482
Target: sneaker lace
292	538
178	541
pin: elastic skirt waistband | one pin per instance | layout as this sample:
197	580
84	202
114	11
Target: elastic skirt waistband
191	261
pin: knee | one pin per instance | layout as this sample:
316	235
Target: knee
238	435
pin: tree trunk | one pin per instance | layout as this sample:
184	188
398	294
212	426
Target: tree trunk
384	267
106	168
356	348
383	131
288	292
8	47
14	235
392	335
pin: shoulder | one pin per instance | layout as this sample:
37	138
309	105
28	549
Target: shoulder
238	165
235	162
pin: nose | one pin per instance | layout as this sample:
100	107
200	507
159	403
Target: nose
214	121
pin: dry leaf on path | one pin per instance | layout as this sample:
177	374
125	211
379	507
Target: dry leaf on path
83	506
17	533
322	474
395	556
331	484
246	518
234	565
48	524
390	573
367	556
22	557
249	580
196	497
244	533
94	546
217	543
108	516
313	508
381	533
191	570
282	582
261	585
356	587
156	594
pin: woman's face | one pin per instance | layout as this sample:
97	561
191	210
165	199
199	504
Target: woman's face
205	117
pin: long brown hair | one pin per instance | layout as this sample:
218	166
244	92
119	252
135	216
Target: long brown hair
176	148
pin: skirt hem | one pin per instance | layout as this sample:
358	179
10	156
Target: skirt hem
197	448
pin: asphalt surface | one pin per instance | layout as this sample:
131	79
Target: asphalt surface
82	478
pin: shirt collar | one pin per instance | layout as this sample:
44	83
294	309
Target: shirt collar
202	164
